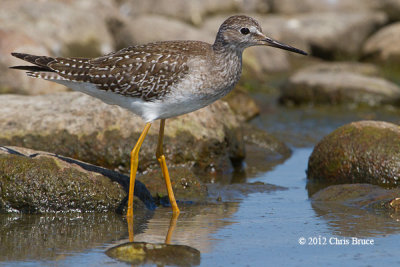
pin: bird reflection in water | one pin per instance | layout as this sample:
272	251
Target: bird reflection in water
155	253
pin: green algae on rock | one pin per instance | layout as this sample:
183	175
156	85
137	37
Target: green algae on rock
359	152
186	185
37	182
158	254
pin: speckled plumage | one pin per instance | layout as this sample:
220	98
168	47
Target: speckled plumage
158	80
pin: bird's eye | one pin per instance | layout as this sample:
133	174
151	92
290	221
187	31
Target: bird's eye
245	30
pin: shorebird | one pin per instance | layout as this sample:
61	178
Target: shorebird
159	80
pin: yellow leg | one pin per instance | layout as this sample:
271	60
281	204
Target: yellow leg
171	228
134	166
130	227
161	159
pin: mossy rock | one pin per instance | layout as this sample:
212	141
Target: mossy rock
37	182
185	184
359	152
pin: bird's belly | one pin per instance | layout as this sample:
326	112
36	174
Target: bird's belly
176	107
170	106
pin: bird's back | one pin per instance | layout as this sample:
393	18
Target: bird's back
146	71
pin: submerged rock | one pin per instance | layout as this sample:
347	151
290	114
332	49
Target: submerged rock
358	209
339	84
238	191
359	195
37	182
82	127
158	254
359	152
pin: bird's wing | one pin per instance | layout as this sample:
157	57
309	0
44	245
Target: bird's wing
139	71
144	71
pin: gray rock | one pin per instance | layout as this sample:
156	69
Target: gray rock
366	69
12	81
336	35
331	35
193	11
390	7
359	152
242	104
290	7
344	83
55	28
71	31
82	127
150	28
381	46
37	182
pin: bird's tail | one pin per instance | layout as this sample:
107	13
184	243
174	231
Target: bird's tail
40	62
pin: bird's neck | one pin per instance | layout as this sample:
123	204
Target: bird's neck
227	65
226	51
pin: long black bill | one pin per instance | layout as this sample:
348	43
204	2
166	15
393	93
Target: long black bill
273	43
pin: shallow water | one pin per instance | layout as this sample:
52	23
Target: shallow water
262	228
252	229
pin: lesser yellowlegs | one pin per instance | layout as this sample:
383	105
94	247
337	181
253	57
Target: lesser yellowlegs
159	80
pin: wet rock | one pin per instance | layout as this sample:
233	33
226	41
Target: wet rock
82	127
379	47
37	182
353	67
263	152
359	195
238	191
139	253
346	83
185	184
358	209
257	137
359	152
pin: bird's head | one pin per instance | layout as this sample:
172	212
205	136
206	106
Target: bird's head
240	32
